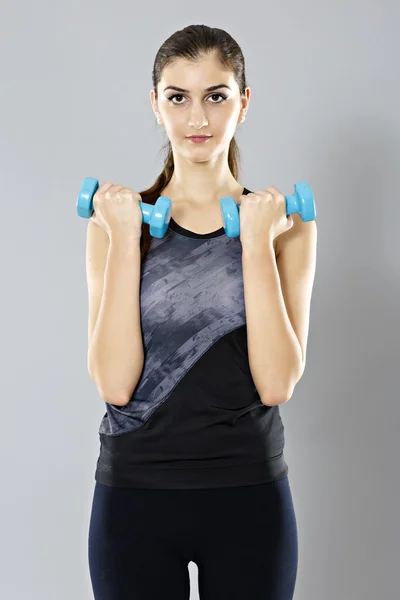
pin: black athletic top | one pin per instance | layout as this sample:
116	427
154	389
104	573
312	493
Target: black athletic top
195	418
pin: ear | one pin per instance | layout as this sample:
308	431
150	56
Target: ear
154	103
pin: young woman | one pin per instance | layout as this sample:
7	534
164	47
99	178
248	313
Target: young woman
195	339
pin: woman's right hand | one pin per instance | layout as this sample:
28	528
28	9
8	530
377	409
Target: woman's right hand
117	210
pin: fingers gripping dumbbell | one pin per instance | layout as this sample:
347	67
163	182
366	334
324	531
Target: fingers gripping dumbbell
301	202
157	216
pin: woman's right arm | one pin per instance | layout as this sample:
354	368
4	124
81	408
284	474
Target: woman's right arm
116	354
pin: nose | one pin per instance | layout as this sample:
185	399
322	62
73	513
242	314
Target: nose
197	118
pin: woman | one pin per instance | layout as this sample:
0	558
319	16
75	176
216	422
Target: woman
192	349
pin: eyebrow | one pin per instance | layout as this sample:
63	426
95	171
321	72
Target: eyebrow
209	89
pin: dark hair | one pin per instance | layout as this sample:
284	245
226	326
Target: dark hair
193	43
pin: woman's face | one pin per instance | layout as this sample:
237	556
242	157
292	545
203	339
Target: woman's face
198	111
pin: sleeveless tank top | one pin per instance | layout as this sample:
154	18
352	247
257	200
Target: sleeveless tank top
195	419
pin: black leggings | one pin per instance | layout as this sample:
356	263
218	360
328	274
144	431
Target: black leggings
242	539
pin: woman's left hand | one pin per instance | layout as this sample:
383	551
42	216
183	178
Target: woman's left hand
262	218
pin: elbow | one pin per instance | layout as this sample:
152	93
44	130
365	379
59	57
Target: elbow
113	398
117	401
119	395
110	396
273	398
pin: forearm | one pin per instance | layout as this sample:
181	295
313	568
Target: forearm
116	354
274	351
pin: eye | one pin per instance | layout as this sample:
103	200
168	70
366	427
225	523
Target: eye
181	96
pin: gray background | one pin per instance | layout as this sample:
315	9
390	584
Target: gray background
75	82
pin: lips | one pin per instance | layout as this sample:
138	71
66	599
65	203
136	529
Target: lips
202	139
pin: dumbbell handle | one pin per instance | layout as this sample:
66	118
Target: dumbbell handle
146	208
292	205
301	202
157	216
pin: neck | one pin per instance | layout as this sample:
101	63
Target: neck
201	182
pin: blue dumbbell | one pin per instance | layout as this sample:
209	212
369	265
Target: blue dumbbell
301	202
157	216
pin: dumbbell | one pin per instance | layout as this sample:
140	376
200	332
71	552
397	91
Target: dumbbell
157	216
301	202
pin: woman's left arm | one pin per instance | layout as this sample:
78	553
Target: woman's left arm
277	292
